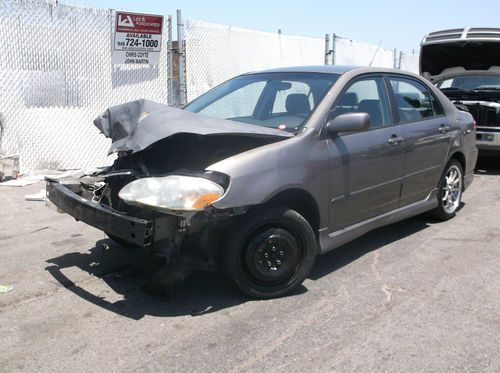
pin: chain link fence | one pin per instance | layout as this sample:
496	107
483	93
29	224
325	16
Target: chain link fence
215	53
409	62
352	52
56	77
56	73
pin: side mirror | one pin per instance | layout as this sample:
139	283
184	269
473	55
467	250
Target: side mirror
350	122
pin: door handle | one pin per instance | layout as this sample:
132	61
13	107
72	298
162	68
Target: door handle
395	140
444	128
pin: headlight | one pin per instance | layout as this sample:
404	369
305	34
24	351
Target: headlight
181	193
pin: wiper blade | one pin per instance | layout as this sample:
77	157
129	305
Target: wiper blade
456	89
487	89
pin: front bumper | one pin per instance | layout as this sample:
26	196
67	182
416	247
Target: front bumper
133	230
488	139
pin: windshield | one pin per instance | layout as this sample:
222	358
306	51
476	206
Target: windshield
275	100
471	82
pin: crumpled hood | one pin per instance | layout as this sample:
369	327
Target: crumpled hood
136	125
447	60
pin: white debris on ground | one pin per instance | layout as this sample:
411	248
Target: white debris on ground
40	196
5	288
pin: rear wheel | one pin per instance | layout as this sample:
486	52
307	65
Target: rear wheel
271	252
450	189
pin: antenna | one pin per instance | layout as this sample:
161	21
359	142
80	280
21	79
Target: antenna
374	54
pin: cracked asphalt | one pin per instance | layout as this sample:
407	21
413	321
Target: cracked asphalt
416	296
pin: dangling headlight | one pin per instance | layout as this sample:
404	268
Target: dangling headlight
177	193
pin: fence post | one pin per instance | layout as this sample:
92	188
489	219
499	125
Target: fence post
400	58
281	47
394	64
170	66
334	48
182	58
327	48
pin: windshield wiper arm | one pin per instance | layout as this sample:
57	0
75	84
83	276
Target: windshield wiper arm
487	89
456	89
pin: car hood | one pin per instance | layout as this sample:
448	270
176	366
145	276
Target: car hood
134	126
440	61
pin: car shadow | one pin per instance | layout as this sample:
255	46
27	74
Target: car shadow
487	166
374	240
125	270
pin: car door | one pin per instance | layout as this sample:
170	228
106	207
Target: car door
366	167
427	136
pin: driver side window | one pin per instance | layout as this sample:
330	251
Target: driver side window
365	96
294	100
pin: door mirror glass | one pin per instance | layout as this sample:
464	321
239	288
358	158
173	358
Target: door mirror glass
350	122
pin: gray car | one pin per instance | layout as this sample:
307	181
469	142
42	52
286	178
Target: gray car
268	170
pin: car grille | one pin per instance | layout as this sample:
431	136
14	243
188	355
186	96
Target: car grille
484	116
109	195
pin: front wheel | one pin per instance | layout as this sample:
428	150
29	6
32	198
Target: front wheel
450	189
271	252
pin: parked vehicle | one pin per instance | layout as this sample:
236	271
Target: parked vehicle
269	169
464	63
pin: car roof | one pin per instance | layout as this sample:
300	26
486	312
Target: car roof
329	69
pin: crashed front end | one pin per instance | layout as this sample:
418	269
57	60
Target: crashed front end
158	194
168	233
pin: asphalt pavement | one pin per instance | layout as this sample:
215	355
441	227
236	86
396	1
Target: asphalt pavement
418	295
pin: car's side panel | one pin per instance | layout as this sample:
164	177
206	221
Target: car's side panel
331	240
303	162
260	174
426	148
366	173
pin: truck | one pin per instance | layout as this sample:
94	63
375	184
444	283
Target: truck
464	63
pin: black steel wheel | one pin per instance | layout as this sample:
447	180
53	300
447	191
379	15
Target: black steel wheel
270	252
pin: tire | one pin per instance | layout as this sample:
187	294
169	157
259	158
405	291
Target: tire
450	188
270	252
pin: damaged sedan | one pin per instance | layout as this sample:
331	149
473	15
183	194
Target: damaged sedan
268	170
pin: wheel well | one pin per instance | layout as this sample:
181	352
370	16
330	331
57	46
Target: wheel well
300	201
460	157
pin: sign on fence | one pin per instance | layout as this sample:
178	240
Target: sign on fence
137	39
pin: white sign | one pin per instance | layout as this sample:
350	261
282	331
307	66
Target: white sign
137	39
